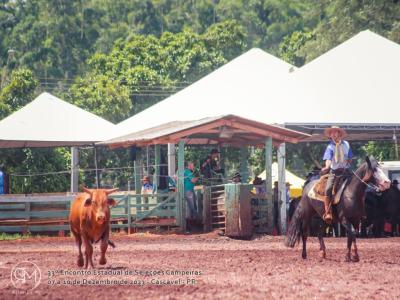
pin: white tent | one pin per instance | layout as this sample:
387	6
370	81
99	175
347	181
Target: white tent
240	87
296	183
294	180
49	121
354	83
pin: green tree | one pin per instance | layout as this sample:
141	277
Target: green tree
290	46
146	69
341	19
382	150
104	97
18	92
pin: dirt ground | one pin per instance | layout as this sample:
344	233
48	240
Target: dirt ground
202	266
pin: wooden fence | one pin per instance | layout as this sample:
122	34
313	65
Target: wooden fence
49	212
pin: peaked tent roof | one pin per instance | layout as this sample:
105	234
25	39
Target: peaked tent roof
49	121
296	183
293	179
354	83
247	77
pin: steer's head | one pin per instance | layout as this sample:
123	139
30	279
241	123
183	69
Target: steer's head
99	202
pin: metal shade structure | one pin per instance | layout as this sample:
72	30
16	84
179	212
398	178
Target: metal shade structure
223	130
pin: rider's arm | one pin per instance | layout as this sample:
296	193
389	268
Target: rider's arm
328	156
328	163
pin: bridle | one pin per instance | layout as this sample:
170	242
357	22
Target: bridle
370	185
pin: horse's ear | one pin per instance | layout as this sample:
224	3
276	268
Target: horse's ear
368	162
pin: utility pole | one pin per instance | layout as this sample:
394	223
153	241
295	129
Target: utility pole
6	68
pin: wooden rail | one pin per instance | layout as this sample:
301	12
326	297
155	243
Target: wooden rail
49	213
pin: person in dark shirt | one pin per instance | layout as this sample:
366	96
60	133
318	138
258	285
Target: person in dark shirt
211	168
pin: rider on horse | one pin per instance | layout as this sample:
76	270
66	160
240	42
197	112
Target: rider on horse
337	158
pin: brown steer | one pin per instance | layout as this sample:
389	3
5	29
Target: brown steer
90	222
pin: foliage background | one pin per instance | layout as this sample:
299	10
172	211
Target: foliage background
116	58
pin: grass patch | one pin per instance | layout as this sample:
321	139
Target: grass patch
16	236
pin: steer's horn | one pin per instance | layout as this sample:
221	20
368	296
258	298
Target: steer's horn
86	190
108	192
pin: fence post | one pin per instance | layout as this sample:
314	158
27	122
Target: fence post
28	217
268	183
171	159
128	206
181	207
282	187
207	209
74	169
137	166
157	161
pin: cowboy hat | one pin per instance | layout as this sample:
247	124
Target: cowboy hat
328	131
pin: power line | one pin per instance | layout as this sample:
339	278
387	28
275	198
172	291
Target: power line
110	78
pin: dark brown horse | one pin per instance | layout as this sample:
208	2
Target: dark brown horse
348	211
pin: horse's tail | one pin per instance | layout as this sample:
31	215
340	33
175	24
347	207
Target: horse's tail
295	227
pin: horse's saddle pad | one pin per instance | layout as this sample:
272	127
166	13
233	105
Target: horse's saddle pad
317	191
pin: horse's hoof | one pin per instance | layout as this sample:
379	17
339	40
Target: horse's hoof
355	258
303	255
347	258
102	261
322	254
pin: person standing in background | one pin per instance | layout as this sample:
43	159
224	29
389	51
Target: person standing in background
3	181
190	196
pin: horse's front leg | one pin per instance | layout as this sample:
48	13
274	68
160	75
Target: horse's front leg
350	239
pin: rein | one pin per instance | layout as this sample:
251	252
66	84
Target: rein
370	185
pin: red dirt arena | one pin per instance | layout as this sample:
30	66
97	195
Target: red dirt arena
201	266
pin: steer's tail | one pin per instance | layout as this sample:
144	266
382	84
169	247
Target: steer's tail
111	243
295	227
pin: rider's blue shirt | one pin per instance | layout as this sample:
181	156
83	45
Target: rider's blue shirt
330	155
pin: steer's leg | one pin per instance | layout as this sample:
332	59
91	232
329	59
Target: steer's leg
78	241
103	248
88	251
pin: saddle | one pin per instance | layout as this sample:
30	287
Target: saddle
317	191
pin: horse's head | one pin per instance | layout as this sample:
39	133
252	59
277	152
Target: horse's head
375	174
